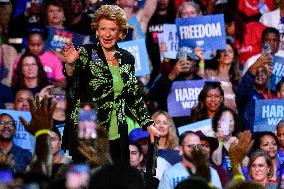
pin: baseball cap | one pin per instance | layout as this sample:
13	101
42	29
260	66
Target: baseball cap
137	134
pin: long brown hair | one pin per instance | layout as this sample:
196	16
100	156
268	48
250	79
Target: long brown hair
18	76
172	139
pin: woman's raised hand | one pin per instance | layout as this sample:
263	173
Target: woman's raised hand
69	52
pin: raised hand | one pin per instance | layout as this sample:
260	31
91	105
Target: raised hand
153	132
97	151
239	151
69	52
41	116
201	162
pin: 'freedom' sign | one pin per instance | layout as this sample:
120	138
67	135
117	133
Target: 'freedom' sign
207	32
278	71
268	113
138	49
183	96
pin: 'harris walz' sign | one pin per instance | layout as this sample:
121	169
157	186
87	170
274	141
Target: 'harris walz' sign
183	96
278	71
207	32
268	113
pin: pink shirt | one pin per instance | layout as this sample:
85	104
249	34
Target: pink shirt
52	65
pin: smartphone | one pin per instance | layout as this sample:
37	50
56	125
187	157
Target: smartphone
225	125
87	122
78	176
57	91
266	49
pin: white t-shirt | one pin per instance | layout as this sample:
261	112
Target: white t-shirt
177	173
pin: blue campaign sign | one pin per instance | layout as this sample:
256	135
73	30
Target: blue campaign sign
278	71
204	125
207	32
169	37
57	37
183	96
268	113
22	137
138	49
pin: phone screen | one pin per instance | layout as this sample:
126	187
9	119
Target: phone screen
78	176
87	123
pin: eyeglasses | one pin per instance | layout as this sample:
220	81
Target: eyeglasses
193	146
29	65
257	166
7	123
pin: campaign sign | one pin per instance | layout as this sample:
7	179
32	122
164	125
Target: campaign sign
207	32
268	113
183	96
170	39
57	37
204	125
278	71
22	137
138	49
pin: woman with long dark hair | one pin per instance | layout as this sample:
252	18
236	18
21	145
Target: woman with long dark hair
210	100
29	74
227	72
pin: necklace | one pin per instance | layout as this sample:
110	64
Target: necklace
110	59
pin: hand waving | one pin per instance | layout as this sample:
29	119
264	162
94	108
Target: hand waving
41	116
69	52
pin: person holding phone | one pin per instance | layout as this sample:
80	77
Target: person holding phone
103	74
225	124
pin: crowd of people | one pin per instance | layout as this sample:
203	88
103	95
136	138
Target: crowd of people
73	114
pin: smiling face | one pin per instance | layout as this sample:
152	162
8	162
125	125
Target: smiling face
7	128
29	67
261	77
213	100
108	33
230	117
162	124
268	144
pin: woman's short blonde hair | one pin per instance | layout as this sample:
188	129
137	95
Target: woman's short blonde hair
172	139
111	12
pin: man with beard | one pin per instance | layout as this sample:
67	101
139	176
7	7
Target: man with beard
188	141
21	157
252	87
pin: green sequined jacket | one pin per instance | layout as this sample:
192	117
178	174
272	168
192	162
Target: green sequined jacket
92	82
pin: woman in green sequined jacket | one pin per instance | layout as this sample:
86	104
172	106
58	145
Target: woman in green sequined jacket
104	74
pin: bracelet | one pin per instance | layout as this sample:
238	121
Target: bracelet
238	177
202	65
42	132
